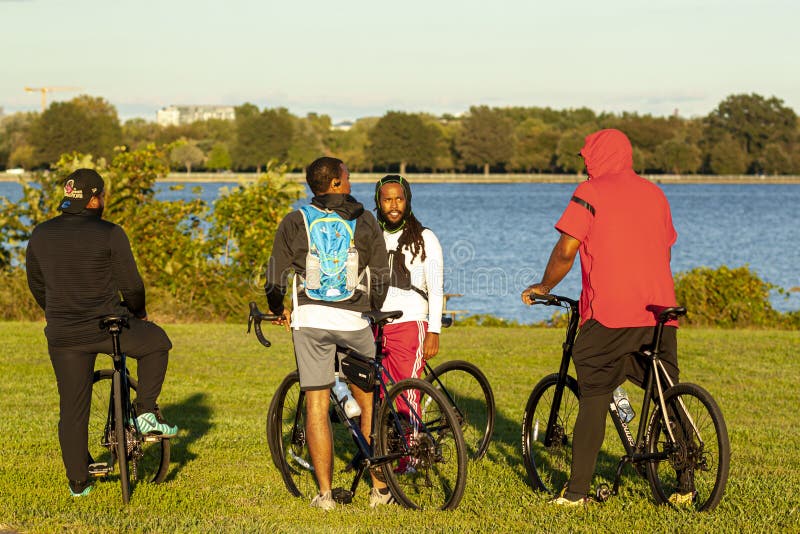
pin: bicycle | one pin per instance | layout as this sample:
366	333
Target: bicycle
689	444
470	395
112	419
419	452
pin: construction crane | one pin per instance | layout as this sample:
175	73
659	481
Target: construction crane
45	90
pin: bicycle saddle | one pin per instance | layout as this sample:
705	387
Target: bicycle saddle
377	316
109	320
666	314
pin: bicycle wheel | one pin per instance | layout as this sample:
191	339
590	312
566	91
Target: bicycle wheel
699	458
286	435
548	464
472	399
419	432
152	456
121	441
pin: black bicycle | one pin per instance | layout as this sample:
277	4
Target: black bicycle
470	395
418	448
681	441
114	436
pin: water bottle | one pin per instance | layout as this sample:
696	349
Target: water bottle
624	408
342	392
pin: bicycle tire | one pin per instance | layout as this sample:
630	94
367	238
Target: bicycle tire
548	467
120	439
704	461
154	462
434	472
472	399
286	436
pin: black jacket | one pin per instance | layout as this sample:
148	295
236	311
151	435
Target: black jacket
291	246
79	269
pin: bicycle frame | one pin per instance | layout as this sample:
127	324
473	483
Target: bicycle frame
657	380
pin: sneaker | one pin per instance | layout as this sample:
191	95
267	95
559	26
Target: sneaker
324	501
377	497
80	488
683	499
153	423
562	500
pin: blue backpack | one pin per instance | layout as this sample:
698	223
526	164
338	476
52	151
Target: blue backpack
332	259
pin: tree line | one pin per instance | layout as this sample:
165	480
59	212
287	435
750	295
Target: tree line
744	134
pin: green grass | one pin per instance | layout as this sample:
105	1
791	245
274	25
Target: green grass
220	382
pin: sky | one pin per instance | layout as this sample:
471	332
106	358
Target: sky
352	58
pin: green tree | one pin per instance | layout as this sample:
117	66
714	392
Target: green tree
401	139
776	159
186	153
310	139
754	122
535	146
350	145
219	158
677	157
727	157
486	138
15	146
261	137
567	156
138	133
84	124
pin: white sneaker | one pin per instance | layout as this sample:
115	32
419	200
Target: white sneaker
378	498
324	501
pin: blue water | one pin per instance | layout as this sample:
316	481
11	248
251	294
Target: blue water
497	237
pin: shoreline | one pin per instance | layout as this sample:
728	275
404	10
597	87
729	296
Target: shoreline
472	178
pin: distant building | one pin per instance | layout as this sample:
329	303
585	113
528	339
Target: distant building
177	115
342	126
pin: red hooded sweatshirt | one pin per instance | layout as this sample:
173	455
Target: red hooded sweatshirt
625	228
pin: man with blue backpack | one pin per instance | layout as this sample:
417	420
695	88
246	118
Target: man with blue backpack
336	252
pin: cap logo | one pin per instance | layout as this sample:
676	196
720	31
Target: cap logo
70	191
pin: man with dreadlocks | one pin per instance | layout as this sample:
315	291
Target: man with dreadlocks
416	267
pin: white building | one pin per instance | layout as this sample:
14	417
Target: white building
176	115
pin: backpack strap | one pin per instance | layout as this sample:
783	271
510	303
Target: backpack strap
411	286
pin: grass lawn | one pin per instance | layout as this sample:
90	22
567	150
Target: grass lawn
220	382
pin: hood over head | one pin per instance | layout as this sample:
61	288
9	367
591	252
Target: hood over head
607	152
345	205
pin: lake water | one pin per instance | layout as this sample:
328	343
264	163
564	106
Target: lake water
497	237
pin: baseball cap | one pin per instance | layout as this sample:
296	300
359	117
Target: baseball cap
79	188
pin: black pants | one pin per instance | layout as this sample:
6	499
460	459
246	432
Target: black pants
74	368
604	359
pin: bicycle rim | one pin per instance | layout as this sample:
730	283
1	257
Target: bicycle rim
699	458
152	455
548	465
472	399
419	433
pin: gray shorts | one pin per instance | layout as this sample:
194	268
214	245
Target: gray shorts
315	350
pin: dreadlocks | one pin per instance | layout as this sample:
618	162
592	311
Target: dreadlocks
412	235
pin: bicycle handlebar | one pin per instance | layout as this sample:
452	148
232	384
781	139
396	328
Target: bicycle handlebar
552	300
255	317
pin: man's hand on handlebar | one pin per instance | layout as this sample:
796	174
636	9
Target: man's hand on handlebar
538	289
285	319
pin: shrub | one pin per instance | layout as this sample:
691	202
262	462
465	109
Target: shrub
727	298
197	264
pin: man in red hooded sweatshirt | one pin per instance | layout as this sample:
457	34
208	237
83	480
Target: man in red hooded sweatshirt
621	225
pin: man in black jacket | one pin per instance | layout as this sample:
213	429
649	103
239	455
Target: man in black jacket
318	326
80	268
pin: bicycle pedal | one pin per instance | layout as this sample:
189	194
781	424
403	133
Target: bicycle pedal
152	438
342	496
99	469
